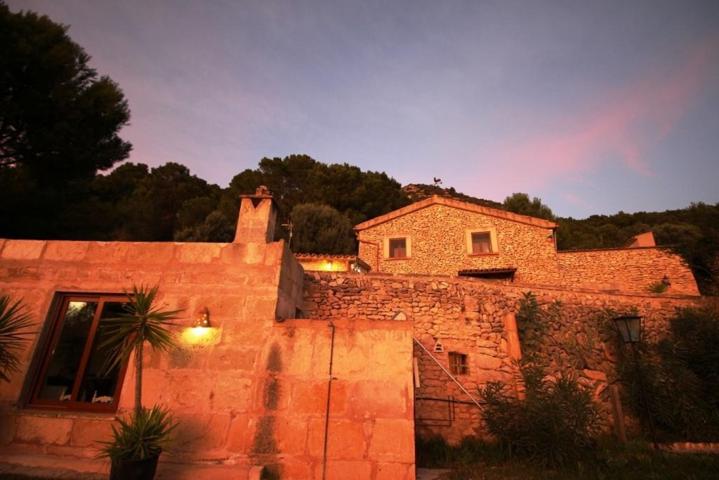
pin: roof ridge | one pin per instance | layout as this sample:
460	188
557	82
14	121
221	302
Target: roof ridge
453	202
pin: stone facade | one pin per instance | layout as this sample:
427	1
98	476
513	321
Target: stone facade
251	393
437	231
438	235
626	270
476	318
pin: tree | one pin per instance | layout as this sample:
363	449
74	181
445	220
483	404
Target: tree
58	119
520	203
59	124
321	229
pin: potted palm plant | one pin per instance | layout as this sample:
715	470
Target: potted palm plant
14	320
137	442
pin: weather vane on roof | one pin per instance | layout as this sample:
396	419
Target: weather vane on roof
437	181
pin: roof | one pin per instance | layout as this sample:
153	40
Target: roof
451	202
324	256
478	272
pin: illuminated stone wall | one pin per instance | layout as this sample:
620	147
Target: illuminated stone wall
476	318
438	235
249	393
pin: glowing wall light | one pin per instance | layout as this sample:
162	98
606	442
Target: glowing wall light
201	332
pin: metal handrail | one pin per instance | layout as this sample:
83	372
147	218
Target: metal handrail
474	400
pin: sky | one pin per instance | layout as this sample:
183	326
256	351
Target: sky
593	106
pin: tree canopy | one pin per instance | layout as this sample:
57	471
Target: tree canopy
59	123
59	120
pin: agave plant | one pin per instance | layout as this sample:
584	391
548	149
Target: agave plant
141	437
14	320
142	321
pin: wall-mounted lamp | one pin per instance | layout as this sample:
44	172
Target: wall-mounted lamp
203	319
201	333
666	281
438	347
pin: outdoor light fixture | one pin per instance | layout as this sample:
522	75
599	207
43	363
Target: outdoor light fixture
203	319
630	328
201	333
665	281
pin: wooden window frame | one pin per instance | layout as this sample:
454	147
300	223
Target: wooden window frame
57	317
407	245
492	240
458	363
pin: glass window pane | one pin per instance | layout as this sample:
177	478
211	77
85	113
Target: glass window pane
397	248
98	385
481	242
66	356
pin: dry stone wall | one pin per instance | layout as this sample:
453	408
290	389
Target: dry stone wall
469	316
626	270
439	245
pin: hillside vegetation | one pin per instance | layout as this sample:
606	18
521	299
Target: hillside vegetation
319	202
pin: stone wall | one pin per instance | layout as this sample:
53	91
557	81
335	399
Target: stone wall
250	392
626	270
438	235
470	316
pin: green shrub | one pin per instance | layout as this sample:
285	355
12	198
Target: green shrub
673	386
554	424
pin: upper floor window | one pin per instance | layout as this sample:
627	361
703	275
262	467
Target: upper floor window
480	242
397	247
72	371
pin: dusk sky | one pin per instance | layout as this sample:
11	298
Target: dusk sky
594	106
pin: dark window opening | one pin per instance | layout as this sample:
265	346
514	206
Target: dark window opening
398	248
73	372
481	243
458	363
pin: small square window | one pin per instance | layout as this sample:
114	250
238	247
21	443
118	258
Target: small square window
458	363
481	243
397	248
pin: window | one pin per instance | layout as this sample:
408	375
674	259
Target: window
458	363
482	242
398	248
72	372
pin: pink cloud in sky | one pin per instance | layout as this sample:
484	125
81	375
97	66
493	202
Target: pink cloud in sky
628	122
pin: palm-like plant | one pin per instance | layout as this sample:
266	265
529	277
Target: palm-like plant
142	321
14	319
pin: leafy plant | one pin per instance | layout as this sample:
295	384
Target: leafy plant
673	385
555	424
14	319
142	322
143	436
658	287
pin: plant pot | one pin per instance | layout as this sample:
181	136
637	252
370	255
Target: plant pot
134	469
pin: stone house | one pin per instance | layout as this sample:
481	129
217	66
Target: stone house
444	236
316	374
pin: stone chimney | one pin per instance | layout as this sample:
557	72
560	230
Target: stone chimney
258	214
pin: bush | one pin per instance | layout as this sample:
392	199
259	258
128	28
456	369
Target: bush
673	386
555	423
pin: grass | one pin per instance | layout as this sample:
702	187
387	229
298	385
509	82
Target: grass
473	460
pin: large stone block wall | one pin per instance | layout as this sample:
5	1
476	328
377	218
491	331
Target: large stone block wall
251	393
470	316
626	270
439	245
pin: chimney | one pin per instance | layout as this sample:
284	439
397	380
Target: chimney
258	214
